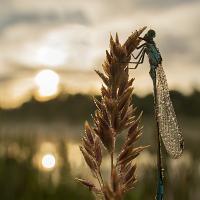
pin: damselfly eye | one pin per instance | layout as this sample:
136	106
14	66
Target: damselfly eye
152	33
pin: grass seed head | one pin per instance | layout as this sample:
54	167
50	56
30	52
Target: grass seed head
114	114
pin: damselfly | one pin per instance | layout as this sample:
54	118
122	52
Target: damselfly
167	125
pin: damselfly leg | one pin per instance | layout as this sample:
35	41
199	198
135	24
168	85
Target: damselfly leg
140	55
141	51
140	60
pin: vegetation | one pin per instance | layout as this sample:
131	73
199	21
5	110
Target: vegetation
114	115
77	108
21	180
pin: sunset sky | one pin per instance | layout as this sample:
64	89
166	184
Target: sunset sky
70	37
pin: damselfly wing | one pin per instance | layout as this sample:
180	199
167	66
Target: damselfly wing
168	125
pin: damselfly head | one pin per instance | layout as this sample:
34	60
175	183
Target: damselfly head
150	35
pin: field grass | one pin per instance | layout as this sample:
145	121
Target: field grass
21	179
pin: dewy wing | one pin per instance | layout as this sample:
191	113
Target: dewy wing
168	125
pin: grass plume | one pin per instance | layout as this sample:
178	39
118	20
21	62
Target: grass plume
114	114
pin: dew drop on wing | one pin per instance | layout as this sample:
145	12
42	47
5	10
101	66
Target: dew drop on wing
168	124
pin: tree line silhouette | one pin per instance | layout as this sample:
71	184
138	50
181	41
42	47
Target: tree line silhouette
78	107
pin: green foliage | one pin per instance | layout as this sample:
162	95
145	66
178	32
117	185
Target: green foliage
77	108
20	180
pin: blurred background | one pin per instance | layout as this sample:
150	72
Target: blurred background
48	52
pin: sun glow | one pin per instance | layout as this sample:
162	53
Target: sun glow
48	161
47	82
46	158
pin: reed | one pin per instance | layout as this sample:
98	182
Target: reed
114	114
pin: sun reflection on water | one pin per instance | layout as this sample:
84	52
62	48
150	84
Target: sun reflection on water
48	161
47	157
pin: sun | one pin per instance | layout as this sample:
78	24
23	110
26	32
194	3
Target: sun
47	82
48	161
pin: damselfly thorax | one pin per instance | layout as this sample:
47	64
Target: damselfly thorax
153	54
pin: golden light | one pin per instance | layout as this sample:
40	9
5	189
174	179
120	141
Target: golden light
47	82
48	161
74	155
46	158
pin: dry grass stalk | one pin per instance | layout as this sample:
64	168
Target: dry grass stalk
114	114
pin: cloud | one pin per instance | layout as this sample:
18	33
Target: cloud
74	35
159	5
76	16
